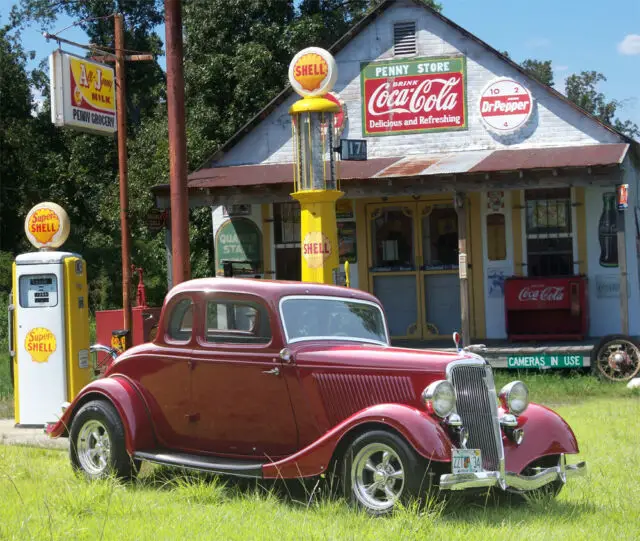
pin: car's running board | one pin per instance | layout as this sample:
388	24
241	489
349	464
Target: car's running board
229	466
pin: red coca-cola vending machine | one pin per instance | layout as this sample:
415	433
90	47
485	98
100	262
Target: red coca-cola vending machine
546	308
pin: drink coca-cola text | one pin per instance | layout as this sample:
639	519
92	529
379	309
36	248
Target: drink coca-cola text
539	292
430	94
414	95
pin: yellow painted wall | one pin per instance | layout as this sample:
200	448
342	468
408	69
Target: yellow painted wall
581	229
516	229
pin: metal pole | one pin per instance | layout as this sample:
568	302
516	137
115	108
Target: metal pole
121	111
181	267
461	204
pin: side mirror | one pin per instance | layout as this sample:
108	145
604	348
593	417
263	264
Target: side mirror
456	340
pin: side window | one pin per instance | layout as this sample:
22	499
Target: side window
181	321
237	322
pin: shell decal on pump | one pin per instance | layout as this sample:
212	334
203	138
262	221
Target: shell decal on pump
40	343
316	249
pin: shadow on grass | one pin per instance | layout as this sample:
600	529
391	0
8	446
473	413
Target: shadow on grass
489	507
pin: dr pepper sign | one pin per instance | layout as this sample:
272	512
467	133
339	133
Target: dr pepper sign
83	94
412	96
505	105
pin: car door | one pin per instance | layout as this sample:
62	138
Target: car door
164	375
239	387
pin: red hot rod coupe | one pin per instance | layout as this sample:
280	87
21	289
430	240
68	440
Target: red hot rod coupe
270	379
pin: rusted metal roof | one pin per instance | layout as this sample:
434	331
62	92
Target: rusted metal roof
277	173
482	161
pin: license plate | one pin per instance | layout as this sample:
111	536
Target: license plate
466	460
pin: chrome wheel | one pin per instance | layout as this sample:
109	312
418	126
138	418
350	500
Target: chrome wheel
377	477
94	448
618	360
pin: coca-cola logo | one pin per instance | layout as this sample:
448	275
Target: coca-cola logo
425	96
414	95
539	292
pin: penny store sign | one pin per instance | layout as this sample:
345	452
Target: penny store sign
413	96
83	94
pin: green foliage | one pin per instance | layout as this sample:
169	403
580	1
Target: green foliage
540	69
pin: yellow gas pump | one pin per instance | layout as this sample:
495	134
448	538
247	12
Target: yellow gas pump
49	320
312	73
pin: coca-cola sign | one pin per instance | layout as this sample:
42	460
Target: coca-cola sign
417	95
541	293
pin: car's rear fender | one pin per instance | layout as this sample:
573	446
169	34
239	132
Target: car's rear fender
422	431
125	397
545	434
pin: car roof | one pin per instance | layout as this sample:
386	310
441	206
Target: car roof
272	290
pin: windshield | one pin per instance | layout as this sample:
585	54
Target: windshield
311	318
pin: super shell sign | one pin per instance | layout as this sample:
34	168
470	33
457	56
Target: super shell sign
83	94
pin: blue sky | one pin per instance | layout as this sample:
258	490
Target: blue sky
575	35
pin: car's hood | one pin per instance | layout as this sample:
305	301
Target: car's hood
373	356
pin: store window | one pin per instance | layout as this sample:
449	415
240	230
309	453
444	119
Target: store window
237	322
286	233
392	238
496	237
549	232
440	237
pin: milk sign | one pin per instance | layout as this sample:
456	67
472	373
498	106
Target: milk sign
413	96
239	239
83	94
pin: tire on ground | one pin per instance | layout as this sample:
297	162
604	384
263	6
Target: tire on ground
105	421
355	475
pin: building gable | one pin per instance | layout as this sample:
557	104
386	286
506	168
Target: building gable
553	120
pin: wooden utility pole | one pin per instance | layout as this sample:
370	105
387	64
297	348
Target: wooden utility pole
460	203
181	266
121	111
622	264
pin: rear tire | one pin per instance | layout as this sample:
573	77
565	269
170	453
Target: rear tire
381	469
97	443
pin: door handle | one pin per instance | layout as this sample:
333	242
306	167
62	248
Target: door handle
274	371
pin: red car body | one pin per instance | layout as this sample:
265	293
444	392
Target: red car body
286	408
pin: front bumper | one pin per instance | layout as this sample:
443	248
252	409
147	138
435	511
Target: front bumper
512	481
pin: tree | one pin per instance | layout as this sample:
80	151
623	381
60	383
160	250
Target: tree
582	90
540	69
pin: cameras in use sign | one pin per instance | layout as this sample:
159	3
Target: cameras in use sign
505	105
83	94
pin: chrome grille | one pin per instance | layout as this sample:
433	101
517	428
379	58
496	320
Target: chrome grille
476	404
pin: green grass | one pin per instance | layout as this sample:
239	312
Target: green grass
40	497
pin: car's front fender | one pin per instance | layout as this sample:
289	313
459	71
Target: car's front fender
545	434
124	396
421	430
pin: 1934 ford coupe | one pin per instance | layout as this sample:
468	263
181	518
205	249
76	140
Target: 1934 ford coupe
272	379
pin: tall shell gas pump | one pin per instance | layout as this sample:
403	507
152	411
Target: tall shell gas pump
48	321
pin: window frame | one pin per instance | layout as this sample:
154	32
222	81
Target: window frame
230	298
169	309
332	338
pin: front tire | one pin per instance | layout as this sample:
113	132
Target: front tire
380	469
97	443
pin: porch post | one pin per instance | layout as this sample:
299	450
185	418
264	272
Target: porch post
461	205
622	264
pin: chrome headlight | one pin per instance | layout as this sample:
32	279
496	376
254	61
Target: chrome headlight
514	397
440	398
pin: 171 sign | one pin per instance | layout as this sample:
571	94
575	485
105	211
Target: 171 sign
413	96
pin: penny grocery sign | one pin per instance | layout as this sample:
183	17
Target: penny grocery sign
82	94
418	95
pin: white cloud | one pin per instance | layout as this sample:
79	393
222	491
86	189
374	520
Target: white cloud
538	42
560	68
630	44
